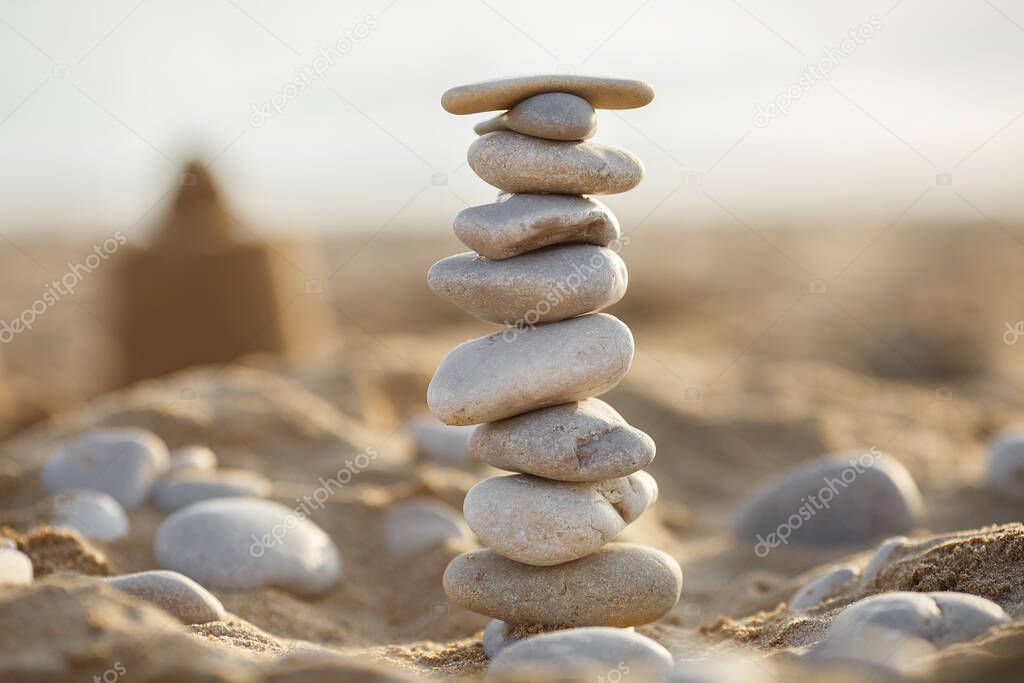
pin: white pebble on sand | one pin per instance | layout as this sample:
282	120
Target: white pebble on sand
822	587
497	637
444	444
417	525
193	458
185	487
15	566
248	543
1004	472
121	462
92	514
881	558
172	592
598	648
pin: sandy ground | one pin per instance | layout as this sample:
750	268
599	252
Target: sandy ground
755	351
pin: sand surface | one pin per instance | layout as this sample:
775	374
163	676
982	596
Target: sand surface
743	367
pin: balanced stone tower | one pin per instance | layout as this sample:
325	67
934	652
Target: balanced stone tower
543	263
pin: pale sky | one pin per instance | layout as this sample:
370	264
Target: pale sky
103	102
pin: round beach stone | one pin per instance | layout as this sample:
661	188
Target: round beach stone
550	115
1004	469
881	558
121	462
520	163
621	584
248	543
444	444
92	514
420	524
185	487
543	522
584	441
15	566
505	93
518	370
518	223
851	498
543	286
823	587
965	616
172	592
597	648
193	458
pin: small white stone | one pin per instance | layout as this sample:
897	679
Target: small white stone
497	637
188	486
596	648
172	592
444	444
193	458
92	514
965	616
417	525
248	543
15	566
881	558
121	462
822	587
1005	466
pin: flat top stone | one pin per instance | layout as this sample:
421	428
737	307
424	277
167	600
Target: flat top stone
543	522
518	223
622	584
505	93
247	543
584	441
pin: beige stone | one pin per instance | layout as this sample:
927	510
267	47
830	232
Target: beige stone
622	584
543	286
585	441
505	93
518	370
551	115
518	223
543	522
520	163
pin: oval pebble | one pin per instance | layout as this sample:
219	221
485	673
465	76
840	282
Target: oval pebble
192	486
1004	468
822	587
512	372
540	287
121	462
621	584
584	441
417	525
172	592
518	223
92	514
595	648
505	93
15	566
550	115
543	522
444	444
965	616
247	543
851	498
881	558
193	458
520	163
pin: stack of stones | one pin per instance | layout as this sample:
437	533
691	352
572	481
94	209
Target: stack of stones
543	263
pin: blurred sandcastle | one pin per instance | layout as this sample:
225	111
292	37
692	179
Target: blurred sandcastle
201	292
